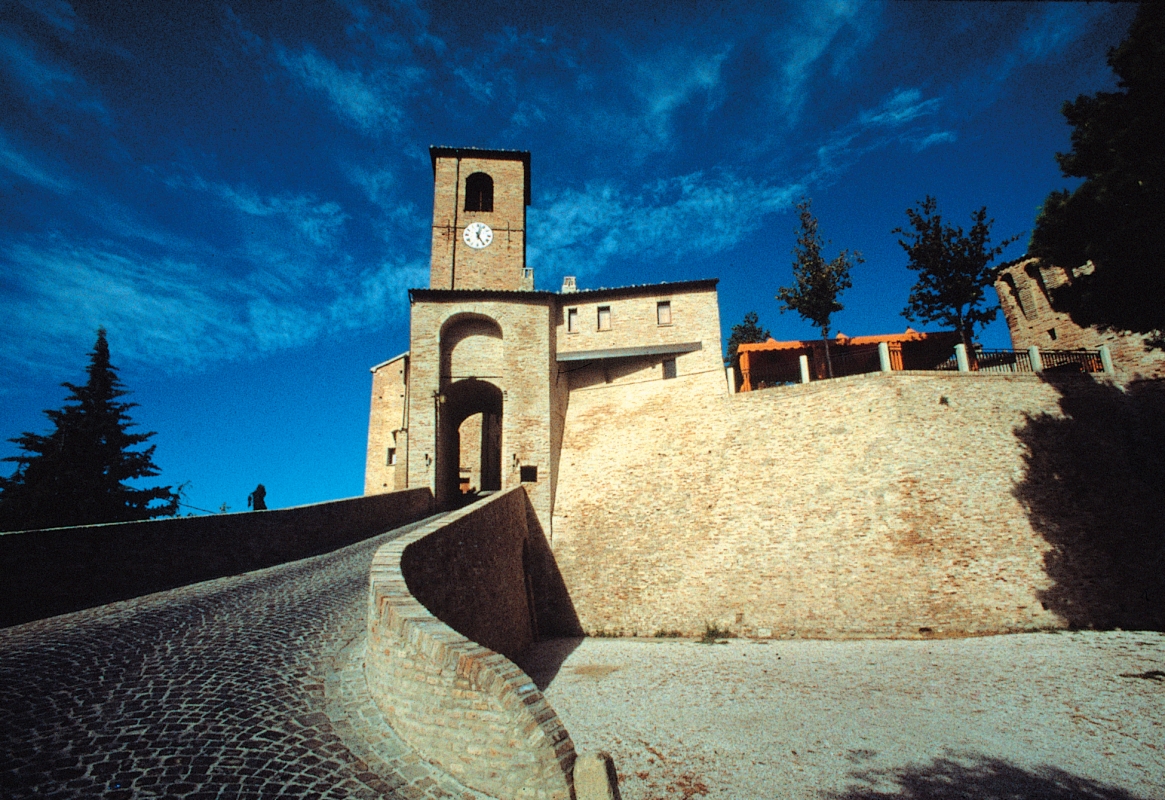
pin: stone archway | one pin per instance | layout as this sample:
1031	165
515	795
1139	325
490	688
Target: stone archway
471	368
460	401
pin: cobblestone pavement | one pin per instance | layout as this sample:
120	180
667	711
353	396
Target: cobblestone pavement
248	686
1068	716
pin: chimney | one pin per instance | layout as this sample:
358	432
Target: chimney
568	284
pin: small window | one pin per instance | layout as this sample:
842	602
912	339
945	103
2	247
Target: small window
669	368
391	456
663	312
604	318
1052	334
572	320
479	192
529	474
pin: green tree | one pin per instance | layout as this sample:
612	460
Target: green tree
817	283
1116	217
747	332
954	269
76	474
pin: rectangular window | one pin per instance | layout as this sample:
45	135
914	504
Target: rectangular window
529	474
1052	334
604	318
663	312
572	320
669	368
391	456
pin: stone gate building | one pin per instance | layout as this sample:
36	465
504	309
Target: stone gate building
492	363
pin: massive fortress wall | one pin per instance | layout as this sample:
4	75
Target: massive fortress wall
887	505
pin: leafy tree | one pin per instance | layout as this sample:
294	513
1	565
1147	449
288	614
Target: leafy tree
953	269
816	282
1116	218
75	475
747	332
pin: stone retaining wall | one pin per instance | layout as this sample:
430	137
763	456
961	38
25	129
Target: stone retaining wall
450	606
49	572
909	504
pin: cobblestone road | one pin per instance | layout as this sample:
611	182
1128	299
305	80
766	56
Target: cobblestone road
248	686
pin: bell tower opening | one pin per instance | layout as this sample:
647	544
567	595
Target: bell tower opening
479	192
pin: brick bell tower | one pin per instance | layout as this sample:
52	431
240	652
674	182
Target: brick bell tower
479	219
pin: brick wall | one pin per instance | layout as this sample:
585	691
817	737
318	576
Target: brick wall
56	571
450	606
1023	295
889	505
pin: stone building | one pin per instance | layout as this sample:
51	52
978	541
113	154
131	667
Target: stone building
480	399
1025	287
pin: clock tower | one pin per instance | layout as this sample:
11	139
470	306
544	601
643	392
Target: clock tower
479	219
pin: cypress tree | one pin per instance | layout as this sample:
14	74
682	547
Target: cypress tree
76	475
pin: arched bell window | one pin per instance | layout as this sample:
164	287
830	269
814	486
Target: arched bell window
479	192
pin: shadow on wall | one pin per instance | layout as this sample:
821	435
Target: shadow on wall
1094	490
977	779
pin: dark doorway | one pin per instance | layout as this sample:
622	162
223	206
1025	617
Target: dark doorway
461	401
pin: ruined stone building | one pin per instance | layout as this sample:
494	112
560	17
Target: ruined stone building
1024	289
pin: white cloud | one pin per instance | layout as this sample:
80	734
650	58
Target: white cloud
579	231
47	82
372	103
668	82
905	105
161	311
799	48
177	315
24	167
320	222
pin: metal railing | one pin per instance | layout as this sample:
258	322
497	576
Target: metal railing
855	363
1000	361
993	361
1070	361
767	377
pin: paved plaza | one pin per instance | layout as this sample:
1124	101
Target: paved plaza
1053	716
248	686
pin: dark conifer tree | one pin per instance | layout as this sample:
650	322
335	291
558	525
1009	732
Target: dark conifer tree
76	475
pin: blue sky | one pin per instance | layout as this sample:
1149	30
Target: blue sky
241	192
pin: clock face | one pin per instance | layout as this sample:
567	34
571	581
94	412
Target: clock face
478	235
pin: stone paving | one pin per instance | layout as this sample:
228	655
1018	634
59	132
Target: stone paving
248	686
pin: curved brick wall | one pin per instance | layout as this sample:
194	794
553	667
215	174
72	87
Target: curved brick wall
449	606
881	505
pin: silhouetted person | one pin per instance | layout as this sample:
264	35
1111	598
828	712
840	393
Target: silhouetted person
258	499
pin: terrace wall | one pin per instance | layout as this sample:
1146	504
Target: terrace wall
903	504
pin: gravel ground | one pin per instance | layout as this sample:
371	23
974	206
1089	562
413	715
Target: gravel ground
1055	716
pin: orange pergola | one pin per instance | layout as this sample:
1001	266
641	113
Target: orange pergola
774	361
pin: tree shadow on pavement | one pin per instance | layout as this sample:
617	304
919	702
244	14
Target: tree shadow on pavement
1094	489
977	779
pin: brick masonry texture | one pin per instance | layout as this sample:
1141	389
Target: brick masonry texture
440	598
1023	295
455	265
60	570
519	363
387	427
240	687
881	505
